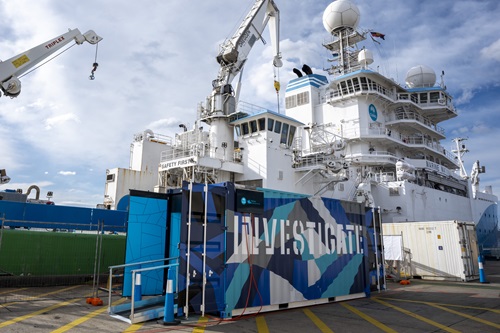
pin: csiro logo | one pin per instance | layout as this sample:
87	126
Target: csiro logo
243	201
372	111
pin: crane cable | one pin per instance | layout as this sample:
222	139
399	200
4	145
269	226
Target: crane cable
43	63
277	86
95	64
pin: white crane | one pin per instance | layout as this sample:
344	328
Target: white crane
231	58
11	69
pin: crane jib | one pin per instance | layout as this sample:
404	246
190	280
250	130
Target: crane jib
56	41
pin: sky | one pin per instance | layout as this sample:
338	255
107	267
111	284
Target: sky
157	62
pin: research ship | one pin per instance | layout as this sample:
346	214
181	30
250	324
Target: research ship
348	133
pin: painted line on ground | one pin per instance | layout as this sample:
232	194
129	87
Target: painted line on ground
36	313
11	291
41	295
200	329
416	316
318	322
133	328
83	319
261	324
486	322
368	318
441	304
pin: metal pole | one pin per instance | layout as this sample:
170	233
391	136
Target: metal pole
95	262
188	252
376	248
382	246
204	251
101	224
132	296
110	288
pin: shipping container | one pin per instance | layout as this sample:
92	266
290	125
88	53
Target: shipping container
440	250
245	250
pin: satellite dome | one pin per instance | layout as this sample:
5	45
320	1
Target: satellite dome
420	76
365	57
340	14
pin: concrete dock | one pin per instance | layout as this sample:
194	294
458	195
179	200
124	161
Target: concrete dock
421	306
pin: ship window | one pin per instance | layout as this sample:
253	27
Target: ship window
238	130
291	135
284	133
434	97
253	126
349	86
270	124
423	98
303	98
291	102
110	178
343	87
245	129
364	85
355	82
262	124
277	127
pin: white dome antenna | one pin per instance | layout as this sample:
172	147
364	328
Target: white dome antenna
420	76
340	14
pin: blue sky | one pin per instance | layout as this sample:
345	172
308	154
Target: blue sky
157	62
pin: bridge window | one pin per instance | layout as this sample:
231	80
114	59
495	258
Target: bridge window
237	129
253	126
277	127
245	129
291	135
423	97
355	83
434	97
262	124
270	124
284	133
364	85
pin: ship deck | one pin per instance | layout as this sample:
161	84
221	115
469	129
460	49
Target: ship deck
421	306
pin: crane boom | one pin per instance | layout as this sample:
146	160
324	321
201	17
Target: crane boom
12	68
234	51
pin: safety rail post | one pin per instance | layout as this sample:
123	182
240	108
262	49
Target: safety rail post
482	275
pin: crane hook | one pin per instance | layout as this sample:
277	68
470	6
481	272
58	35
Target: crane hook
94	68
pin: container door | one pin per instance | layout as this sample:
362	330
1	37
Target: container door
469	247
203	248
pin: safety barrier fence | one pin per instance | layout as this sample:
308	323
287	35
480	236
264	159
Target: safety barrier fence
37	260
132	311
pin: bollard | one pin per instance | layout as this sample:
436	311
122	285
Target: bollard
168	310
482	275
137	288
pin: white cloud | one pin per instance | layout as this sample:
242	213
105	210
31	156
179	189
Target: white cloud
60	120
67	173
492	51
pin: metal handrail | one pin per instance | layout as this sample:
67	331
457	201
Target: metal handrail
111	268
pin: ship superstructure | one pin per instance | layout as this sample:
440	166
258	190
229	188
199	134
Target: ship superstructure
353	135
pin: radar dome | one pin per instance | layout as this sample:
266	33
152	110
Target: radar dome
420	76
340	14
